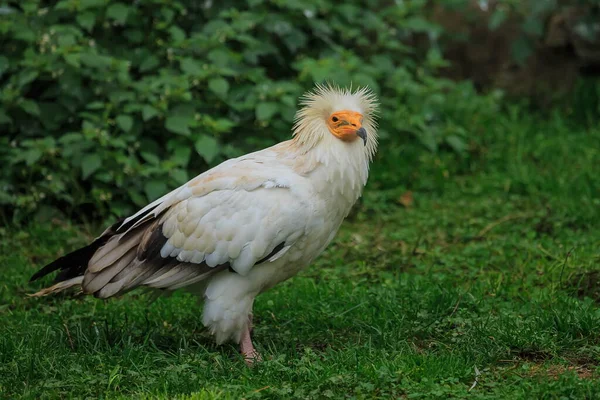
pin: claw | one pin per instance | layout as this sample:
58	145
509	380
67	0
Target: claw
251	356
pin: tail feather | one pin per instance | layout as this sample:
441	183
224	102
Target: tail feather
131	276
114	249
59	287
125	256
143	272
93	282
74	264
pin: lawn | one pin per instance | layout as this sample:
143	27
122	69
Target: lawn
457	276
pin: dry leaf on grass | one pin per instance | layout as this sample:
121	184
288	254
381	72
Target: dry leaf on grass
407	199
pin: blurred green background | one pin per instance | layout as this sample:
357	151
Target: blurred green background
469	269
106	105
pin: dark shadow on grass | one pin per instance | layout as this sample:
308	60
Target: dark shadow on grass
585	284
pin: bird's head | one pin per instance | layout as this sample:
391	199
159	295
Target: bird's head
329	114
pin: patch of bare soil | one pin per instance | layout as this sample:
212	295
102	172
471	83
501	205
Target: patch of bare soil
557	370
559	54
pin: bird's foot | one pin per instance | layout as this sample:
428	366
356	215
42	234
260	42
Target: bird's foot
251	355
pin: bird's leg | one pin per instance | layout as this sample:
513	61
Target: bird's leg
247	348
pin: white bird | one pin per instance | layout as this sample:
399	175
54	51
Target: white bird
238	229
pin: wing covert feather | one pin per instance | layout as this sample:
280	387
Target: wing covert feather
234	216
238	227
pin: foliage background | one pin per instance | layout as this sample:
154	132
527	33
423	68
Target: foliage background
472	258
106	105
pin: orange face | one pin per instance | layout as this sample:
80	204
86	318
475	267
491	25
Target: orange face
347	125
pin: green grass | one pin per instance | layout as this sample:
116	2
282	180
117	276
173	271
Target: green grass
495	267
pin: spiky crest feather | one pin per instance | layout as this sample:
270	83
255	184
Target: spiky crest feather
317	105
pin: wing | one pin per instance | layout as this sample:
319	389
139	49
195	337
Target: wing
231	218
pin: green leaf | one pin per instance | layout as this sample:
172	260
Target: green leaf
90	164
497	19
31	156
155	189
125	122
191	66
533	26
219	86
136	197
71	137
178	124
427	139
64	5
24	33
149	63
180	119
207	147
181	155
66	40
177	34
87	20
180	176
456	143
150	158
119	96
223	125
95	60
420	24
149	112
95	105
118	12
85	4
27	76
167	14
264	111
30	107
73	60
220	57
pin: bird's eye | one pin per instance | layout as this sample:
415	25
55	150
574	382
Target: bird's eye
334	119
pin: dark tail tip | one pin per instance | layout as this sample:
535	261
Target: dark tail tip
72	264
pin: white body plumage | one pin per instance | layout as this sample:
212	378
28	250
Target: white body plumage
249	223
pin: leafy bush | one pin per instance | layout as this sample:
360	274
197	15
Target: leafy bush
106	105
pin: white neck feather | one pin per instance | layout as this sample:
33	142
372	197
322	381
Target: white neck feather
340	171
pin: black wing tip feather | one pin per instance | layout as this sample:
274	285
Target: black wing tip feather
53	266
72	264
75	263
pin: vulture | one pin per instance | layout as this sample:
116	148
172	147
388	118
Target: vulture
243	226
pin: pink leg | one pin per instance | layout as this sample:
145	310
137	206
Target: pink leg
247	348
